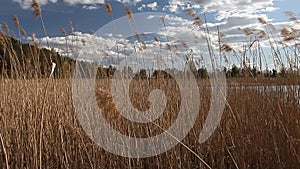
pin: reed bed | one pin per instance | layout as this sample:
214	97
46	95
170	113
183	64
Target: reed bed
259	128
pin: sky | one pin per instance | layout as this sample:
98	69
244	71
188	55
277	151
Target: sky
89	19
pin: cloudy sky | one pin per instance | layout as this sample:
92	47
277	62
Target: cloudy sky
89	20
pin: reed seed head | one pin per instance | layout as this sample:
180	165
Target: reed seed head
62	30
247	31
71	28
196	18
108	8
262	34
128	13
36	9
226	48
23	32
5	26
16	20
262	20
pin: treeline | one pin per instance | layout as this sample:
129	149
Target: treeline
236	72
27	61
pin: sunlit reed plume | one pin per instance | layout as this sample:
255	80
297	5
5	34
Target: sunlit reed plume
3	40
184	44
108	8
128	13
175	49
262	20
196	18
23	32
36	9
105	100
33	39
261	34
168	46
144	46
16	20
226	48
292	16
62	30
286	34
137	36
71	28
5	26
247	31
83	42
221	34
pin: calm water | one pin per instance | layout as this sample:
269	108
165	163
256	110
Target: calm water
283	91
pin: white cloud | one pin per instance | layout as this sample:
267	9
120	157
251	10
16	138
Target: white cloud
226	8
73	2
90	7
178	30
25	4
230	15
153	6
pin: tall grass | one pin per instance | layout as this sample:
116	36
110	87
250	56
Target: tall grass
259	129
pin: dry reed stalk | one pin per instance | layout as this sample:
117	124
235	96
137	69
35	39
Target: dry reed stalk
105	101
4	151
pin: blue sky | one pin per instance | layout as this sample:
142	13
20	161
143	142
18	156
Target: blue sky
284	5
87	20
88	16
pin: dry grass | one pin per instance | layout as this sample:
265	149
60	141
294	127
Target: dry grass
260	128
